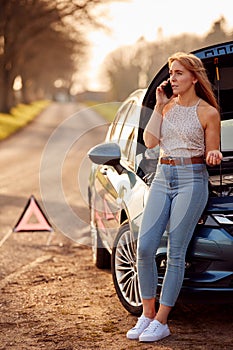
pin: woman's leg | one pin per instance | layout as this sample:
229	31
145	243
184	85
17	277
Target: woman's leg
187	206
188	193
154	221
149	307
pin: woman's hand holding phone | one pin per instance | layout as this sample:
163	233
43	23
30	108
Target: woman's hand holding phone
164	93
168	89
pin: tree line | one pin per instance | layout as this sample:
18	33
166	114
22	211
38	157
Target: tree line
131	67
44	48
43	45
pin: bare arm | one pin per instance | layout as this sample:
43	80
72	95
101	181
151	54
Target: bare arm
212	137
151	135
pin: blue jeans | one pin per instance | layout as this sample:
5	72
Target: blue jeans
176	200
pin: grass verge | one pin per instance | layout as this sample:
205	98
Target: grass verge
19	116
106	110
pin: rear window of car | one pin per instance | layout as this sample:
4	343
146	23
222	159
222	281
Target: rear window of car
119	120
225	89
129	134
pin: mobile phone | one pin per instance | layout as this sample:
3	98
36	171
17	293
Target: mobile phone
168	90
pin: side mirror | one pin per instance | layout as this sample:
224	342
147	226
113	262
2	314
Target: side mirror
108	154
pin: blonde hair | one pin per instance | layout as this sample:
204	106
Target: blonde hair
193	64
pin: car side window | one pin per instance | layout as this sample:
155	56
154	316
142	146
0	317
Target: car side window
128	136
119	121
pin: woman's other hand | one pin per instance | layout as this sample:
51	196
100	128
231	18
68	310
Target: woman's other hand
213	157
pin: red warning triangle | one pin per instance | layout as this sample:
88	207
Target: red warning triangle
32	218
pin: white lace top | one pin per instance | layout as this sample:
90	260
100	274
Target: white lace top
182	134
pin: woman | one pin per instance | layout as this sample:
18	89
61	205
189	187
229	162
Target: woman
187	129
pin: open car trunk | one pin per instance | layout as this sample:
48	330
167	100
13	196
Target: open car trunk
218	61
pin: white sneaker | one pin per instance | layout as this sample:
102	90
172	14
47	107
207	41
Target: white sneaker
154	332
142	323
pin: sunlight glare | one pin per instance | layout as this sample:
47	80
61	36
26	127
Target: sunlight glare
151	19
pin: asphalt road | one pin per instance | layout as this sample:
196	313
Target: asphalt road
47	159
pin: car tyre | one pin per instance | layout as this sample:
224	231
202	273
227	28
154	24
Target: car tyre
101	256
124	270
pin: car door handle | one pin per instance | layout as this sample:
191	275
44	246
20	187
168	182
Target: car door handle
104	170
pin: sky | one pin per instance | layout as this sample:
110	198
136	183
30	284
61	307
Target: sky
136	18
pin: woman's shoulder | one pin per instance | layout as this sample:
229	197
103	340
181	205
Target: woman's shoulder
205	107
206	112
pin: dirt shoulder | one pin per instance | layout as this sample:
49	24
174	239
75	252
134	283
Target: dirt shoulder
52	296
61	301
